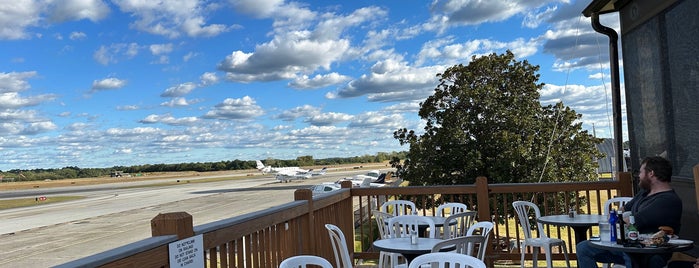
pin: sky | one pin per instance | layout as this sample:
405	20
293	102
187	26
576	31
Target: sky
102	83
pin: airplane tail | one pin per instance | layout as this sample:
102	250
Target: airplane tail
260	166
366	182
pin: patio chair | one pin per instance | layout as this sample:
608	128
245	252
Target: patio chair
464	245
482	228
458	224
617	202
447	259
303	261
450	208
398	207
404	225
337	238
386	259
523	209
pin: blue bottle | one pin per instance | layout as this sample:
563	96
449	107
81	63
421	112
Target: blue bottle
612	225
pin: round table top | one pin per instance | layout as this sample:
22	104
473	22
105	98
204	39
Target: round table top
402	245
578	220
647	250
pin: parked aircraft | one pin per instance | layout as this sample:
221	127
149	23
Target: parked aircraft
286	174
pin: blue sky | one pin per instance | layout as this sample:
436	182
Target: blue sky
99	83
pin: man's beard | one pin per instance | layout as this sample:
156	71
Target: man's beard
644	183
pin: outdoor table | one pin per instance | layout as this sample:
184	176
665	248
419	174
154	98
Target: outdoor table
581	223
403	246
638	255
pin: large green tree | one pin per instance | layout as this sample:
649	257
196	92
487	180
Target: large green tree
485	119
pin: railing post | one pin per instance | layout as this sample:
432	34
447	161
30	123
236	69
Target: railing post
696	182
625	184
173	223
482	201
308	245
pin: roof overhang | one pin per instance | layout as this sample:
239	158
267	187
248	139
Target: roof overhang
604	6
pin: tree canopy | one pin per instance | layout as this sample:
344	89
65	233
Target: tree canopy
485	119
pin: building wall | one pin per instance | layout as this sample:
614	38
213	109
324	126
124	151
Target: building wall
661	73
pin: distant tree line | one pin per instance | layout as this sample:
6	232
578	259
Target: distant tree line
77	172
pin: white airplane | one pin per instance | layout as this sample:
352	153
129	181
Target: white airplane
286	174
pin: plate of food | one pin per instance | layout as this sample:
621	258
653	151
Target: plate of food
680	242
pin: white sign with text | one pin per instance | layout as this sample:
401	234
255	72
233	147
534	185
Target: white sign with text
187	253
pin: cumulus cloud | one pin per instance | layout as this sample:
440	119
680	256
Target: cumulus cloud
376	120
66	10
390	77
107	84
172	18
283	57
15	19
169	120
179	90
297	112
113	53
77	36
235	109
318	81
208	79
473	12
179	102
573	42
159	49
295	50
15	81
327	119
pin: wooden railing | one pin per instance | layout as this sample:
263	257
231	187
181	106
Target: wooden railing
265	238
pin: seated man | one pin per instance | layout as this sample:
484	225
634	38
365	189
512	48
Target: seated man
655	205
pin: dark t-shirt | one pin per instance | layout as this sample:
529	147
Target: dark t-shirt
651	212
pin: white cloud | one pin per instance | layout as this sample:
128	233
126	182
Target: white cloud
235	109
318	81
391	77
172	18
297	112
113	53
77	36
17	17
283	57
66	10
208	79
179	90
169	120
179	102
15	81
158	49
327	119
107	84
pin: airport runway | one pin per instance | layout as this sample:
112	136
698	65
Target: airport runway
109	216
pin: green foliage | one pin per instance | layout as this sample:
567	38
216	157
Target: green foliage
76	172
485	119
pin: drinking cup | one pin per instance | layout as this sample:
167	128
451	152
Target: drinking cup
605	231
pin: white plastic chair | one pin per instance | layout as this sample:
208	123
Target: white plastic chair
482	228
617	202
464	245
446	259
337	238
403	225
303	261
398	207
386	259
456	225
543	241
451	208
